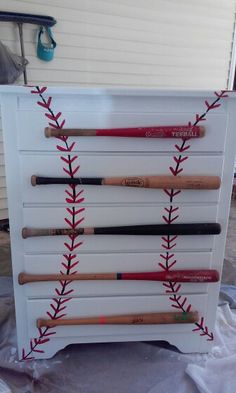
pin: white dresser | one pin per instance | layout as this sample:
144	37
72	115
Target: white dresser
26	111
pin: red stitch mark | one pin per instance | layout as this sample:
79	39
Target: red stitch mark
57	125
74	196
75	212
68	200
168	239
45	334
69	257
175	287
79	221
168	246
174	298
180	159
204	330
172	193
71	224
69	160
73	247
222	94
65	300
70	172
181	149
167	257
162	266
53	117
172	264
67	148
73	237
64	283
167	285
38	90
69	267
62	138
169	220
171	209
69	194
73	265
175	171
46	104
43	341
178	304
75	170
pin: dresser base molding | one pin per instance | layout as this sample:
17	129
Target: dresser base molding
186	343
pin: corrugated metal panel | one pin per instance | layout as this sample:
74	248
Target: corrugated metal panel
156	43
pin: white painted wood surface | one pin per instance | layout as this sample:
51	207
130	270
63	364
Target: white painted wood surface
108	43
28	151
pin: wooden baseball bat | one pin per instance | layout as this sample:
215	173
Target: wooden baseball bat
196	276
176	131
162	182
129	319
137	230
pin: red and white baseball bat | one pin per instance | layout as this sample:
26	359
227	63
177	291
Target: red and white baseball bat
187	275
175	131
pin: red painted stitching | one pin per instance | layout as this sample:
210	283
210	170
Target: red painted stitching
179	301
56	304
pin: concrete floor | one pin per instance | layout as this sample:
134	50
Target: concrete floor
229	267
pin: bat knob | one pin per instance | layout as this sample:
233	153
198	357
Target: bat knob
48	132
24	233
33	180
201	131
21	278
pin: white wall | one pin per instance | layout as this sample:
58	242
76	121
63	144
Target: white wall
135	43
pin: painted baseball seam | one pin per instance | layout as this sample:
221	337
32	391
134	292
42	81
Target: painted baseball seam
171	214
73	219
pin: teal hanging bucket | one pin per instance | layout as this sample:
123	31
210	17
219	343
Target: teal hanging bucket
45	50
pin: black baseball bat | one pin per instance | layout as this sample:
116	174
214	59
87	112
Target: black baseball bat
138	230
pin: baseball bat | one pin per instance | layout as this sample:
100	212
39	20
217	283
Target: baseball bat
137	230
162	182
127	319
176	131
200	275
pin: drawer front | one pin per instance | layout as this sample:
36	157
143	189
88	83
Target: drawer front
112	216
104	306
105	263
111	165
30	132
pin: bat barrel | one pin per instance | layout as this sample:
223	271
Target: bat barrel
161	230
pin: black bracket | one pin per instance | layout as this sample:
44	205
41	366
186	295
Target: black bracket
19	18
